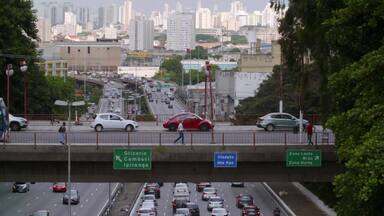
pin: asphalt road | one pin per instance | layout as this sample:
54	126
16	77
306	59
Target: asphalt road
93	196
261	198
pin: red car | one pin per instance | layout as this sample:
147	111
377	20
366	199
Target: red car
200	187
59	187
190	122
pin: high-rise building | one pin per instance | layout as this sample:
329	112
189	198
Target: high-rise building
127	13
203	18
269	17
255	18
83	16
237	6
157	19
179	7
141	34
181	31
44	29
101	17
166	14
109	15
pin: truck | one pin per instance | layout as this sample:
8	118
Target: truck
4	120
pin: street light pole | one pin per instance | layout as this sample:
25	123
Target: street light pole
9	72
24	68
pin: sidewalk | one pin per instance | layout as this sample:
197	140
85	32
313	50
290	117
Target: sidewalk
295	199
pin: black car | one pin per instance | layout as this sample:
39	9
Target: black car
20	187
193	208
237	184
75	198
244	200
179	202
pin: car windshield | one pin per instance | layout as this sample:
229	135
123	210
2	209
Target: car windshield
215	199
73	193
145	211
60	184
219	211
182	211
209	190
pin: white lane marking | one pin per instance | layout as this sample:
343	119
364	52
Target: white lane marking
86	200
91	194
9	197
74	213
37	197
81	206
54	205
97	189
28	204
18	211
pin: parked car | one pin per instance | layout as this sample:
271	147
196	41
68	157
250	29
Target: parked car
106	121
251	210
244	200
213	204
17	123
200	186
237	184
190	122
75	197
150	197
273	121
59	187
20	187
152	189
40	213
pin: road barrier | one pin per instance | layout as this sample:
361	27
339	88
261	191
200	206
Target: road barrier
167	138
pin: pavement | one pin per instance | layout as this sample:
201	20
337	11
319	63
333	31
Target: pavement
261	198
93	197
296	200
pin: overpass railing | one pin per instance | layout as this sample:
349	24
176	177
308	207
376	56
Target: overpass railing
167	138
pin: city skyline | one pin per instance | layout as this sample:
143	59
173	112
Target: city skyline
146	6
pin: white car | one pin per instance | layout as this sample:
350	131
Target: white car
219	212
106	121
16	123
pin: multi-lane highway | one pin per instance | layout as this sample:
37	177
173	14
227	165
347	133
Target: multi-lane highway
262	198
93	197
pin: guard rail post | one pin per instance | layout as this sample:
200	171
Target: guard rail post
97	140
285	138
212	136
129	139
315	138
160	138
222	139
157	120
254	139
34	140
191	139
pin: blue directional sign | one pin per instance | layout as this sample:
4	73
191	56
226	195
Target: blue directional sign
225	160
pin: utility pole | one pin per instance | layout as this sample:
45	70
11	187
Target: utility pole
205	89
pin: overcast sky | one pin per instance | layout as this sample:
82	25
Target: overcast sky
150	5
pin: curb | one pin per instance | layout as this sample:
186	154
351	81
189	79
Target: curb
134	207
106	208
314	199
279	201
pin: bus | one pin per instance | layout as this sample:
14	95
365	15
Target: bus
4	122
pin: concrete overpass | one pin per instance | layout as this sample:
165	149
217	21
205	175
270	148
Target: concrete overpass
48	163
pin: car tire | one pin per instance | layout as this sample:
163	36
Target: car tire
172	127
204	127
129	128
270	127
15	126
98	128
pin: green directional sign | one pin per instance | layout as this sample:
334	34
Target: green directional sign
132	159
303	158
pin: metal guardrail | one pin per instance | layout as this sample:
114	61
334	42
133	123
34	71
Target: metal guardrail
167	138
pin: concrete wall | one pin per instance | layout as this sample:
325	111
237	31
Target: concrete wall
169	163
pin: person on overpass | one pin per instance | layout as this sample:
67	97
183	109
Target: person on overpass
62	131
309	130
180	129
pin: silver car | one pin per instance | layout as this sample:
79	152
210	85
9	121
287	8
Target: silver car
273	121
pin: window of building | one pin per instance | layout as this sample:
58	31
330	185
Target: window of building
69	50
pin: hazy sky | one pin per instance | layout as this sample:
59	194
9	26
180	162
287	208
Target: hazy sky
149	5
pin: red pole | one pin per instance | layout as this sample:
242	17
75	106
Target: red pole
205	98
9	104
211	94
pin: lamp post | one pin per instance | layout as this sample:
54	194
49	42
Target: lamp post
69	104
24	69
9	72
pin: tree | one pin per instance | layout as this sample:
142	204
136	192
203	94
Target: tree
198	53
360	132
206	38
239	39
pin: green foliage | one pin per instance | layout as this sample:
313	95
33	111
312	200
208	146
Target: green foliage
198	53
239	39
235	50
206	38
359	126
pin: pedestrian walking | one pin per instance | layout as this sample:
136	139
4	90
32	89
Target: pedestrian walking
62	131
180	129
309	130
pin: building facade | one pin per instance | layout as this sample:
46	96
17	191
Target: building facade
181	32
141	34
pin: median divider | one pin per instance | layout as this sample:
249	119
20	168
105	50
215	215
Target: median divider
106	210
278	200
135	207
